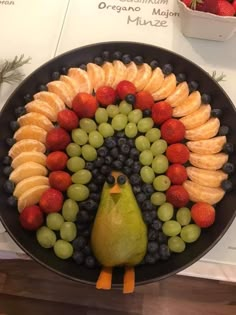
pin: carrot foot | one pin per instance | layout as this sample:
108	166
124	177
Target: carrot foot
129	280
105	279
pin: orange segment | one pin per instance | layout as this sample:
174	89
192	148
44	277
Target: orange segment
120	72
63	90
34	156
109	73
31	196
71	82
26	145
28	183
96	75
31	132
190	105
143	76
50	98
155	81
167	88
179	95
26	170
43	108
82	79
131	71
35	119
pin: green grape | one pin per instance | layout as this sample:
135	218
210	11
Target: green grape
160	164
87	124
75	163
171	228
73	149
153	134
95	139
146	157
70	210
81	177
165	212
142	143
54	221
119	122
158	147
101	115
112	110
131	130
63	249
183	216
68	231
147	174
78	192
46	237
106	130
125	108
145	124
89	153
190	233
79	136
135	115
176	244
158	198
161	183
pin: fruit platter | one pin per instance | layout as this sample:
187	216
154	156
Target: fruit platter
117	164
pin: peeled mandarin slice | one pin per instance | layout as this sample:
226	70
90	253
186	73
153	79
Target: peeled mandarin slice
190	105
131	71
96	75
31	196
43	108
26	170
208	161
34	156
71	82
82	79
205	131
155	81
26	145
63	90
28	183
50	98
35	119
197	118
179	95
120	72
209	146
143	76
109	73
167	88
31	132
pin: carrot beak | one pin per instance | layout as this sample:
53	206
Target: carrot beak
115	189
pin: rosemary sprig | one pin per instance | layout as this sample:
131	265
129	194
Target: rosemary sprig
9	69
218	78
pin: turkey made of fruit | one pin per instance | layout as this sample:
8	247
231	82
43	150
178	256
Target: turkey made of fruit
117	163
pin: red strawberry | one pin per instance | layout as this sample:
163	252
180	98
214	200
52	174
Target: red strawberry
67	119
177	153
204	5
187	2
60	180
125	87
234	4
106	95
56	161
177	195
177	174
31	218
224	8
203	214
57	139
51	200
85	105
172	130
144	100
161	111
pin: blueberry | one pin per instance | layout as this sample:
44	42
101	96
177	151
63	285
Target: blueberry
99	162
127	170
9	186
102	151
167	69
138	60
147	112
226	185
130	98
154	64
20	110
129	162
78	257
136	167
92	187
106	55
126	59
140	197
164	252
7	160
42	88
152	247
136	189
98	61
55	75
121	141
206	99
117	165
95	172
110	180
121	158
216	112
12	201
87	250
64	70
228	168
147	217
85	232
114	152
121	180
193	86
105	170
108	160
124	148
134	154
120	134
181	77
150	259
28	98
95	196
10	141
223	131
135	179
228	148
153	213
161	238
91	205
117	55
89	166
100	179
110	142
14	125
156	225
79	242
130	142
7	170
147	205
83	216
81	227
90	262
147	189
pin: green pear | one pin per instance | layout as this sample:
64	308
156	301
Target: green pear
119	234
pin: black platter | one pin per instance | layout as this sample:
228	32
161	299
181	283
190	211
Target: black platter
225	210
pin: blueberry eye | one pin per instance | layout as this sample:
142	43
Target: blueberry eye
121	179
110	180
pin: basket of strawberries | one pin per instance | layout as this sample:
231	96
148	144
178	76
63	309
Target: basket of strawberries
208	19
